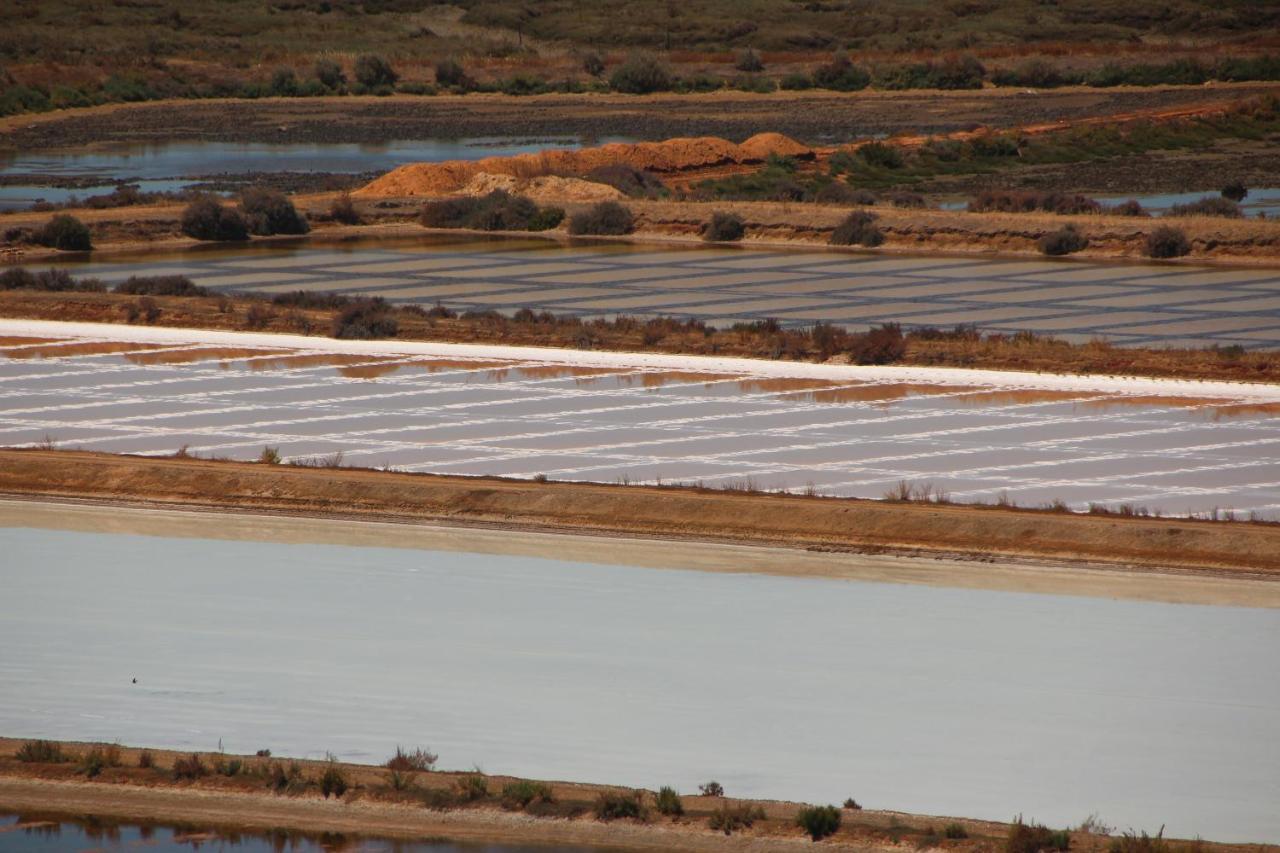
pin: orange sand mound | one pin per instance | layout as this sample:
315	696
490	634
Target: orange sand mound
669	157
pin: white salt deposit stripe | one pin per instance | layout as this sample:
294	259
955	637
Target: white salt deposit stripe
662	361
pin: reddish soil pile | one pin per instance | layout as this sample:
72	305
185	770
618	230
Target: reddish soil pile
674	156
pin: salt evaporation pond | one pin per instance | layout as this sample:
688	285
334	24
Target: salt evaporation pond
927	699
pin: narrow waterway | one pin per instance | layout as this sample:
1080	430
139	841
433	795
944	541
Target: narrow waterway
926	699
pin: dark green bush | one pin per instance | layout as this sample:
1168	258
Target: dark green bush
1166	242
497	211
1065	241
955	830
284	83
55	280
64	232
330	74
366	319
1025	201
449	72
521	793
372	71
614	805
668	802
269	212
343	210
858	229
146	761
819	821
641	74
852	805
1235	191
604	218
1128	208
207	219
1132	842
627	179
724	228
711	789
841	75
160	285
796	81
99	757
881	155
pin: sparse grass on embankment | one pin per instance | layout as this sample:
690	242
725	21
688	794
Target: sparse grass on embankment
667	512
286	798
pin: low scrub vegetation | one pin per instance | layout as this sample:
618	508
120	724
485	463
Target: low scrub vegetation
333	782
102	756
1208	206
65	233
617	805
724	228
54	280
667	801
207	218
1167	242
1065	241
497	211
189	767
858	229
607	218
1009	201
473	787
730	819
267	212
642	74
420	760
1034	838
819	821
522	793
366	319
41	752
160	285
712	788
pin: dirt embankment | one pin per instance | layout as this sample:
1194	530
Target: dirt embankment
437	804
681	156
771	519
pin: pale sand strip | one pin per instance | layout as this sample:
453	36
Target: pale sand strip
1008	576
752	367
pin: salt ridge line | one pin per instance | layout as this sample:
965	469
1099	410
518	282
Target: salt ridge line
708	364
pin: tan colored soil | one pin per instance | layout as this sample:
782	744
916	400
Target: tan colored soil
681	155
542	189
1222	548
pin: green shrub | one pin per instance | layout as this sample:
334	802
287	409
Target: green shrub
1235	191
333	782
1131	842
711	789
189	767
269	455
841	75
1128	208
627	179
521	793
880	155
819	821
1065	241
858	229
54	280
724	228
366	319
641	74
1034	838
284	83
796	81
546	218
99	757
963	72
604	218
449	72
23	99
146	760
730	820
955	830
668	802
882	344
65	233
372	71
1166	242
160	285
269	212
497	211
207	219
41	752
473	787
614	805
852	805
120	87
329	73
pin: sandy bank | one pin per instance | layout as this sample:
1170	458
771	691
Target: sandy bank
981	533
